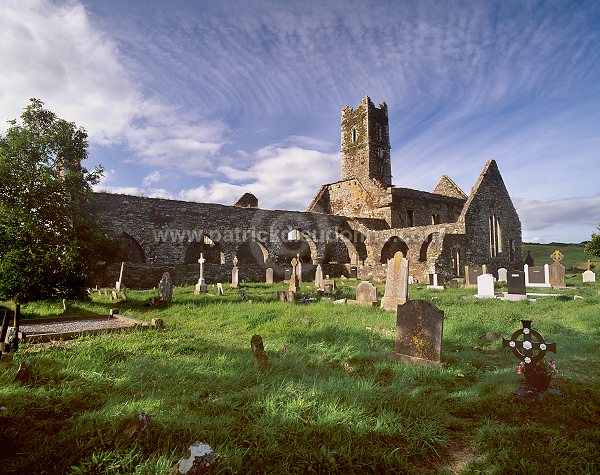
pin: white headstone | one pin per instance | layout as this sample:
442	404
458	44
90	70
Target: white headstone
502	272
201	285
411	279
589	276
234	275
269	275
220	288
485	286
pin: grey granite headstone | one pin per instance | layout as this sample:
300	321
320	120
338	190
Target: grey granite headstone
396	284
502	272
471	274
419	330
536	275
366	293
165	288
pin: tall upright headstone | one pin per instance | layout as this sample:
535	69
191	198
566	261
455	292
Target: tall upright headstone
419	330
502	272
269	275
319	277
516	285
557	271
471	274
235	273
165	288
396	283
292	287
201	287
299	269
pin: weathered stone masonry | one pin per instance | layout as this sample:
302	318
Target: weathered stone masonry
360	220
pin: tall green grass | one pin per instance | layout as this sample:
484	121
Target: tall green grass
331	401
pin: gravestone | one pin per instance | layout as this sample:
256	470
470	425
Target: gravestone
165	288
411	279
485	286
516	285
436	282
396	283
557	271
502	274
220	288
269	275
531	350
288	274
119	282
353	272
589	276
454	284
537	276
292	287
529	259
366	293
471	274
419	330
298	270
319	277
327	290
235	273
244	295
201	287
261	361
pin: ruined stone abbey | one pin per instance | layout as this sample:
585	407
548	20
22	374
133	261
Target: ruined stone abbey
353	225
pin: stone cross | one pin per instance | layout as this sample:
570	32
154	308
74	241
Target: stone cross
292	286
557	256
589	266
235	261
201	261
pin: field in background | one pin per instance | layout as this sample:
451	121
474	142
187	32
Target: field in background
330	403
575	258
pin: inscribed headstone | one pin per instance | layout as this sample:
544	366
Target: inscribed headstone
419	330
516	283
396	283
353	272
485	286
269	275
502	274
366	293
288	273
471	274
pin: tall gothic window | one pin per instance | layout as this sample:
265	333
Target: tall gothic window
354	134
495	236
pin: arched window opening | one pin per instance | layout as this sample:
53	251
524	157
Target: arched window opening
424	248
393	245
495	236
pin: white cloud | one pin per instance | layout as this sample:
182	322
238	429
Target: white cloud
55	52
281	178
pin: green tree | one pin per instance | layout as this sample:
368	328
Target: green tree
47	233
593	245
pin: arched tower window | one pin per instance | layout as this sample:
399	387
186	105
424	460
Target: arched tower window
354	134
379	133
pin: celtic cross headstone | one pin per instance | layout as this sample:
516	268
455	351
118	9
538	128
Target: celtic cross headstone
530	347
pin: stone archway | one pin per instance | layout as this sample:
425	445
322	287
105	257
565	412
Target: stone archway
297	243
252	252
131	250
393	245
210	250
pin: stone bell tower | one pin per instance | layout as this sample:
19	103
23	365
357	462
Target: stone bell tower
366	144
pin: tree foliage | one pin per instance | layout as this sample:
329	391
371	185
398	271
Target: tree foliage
47	235
593	245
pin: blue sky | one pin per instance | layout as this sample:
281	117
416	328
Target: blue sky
205	100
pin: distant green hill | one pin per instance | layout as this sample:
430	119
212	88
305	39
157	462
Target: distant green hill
575	257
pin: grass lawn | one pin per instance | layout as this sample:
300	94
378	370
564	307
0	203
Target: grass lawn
331	401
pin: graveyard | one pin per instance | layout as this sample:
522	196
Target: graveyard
327	397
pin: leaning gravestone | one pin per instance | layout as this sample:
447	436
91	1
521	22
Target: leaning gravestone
165	288
557	271
516	285
269	275
419	329
502	272
485	286
366	293
396	283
